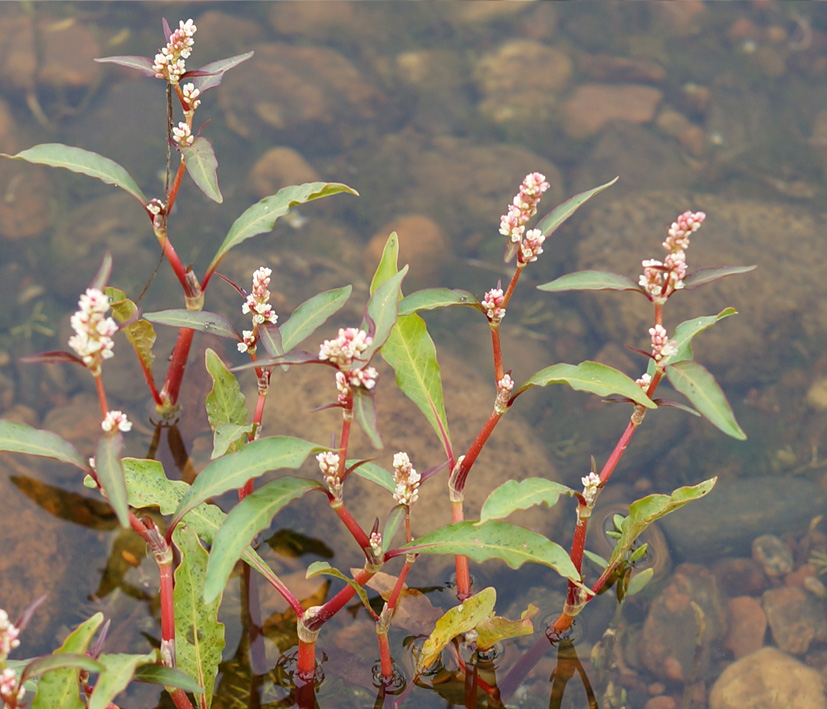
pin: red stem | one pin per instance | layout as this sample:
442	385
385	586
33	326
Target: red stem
475	449
335	604
101	395
352	525
175	373
498	354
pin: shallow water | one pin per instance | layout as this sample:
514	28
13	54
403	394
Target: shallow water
430	120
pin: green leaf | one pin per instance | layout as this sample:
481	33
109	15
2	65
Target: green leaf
140	333
650	509
364	410
232	471
382	309
707	275
82	161
639	581
454	622
229	435
686	332
199	636
698	385
211	323
225	404
311	314
495	540
495	629
167	676
590	280
374	473
202	167
322	568
559	214
433	298
49	663
513	495
120	668
412	354
589	376
110	474
262	216
59	687
245	520
21	438
387	267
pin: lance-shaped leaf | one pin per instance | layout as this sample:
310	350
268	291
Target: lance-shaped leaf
590	280
589	376
200	320
245	520
232	471
382	312
59	687
167	676
202	167
650	509
374	473
311	314
211	74
456	621
698	385
225	403
364	410
142	64
412	354
686	332
118	673
322	568
707	275
81	161
229	437
199	636
262	216
559	214
512	496
110	474
388	265
494	540
21	438
433	298
140	333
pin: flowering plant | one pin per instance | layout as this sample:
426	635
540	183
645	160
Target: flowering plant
199	545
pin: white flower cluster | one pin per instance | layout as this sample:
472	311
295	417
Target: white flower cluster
9	634
10	693
523	206
191	95
406	478
258	302
182	135
329	465
662	346
116	421
591	484
169	61
92	340
493	305
504	388
347	347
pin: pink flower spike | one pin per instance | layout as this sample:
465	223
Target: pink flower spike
92	340
493	305
9	634
678	234
407	480
116	421
523	207
258	302
346	348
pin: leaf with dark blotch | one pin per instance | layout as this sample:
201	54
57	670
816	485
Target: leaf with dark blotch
707	275
590	280
201	320
81	161
202	167
142	64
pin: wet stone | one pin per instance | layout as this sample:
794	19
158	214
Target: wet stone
685	621
747	626
775	556
769	679
796	618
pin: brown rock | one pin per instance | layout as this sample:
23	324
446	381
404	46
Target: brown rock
312	19
739	576
279	167
607	67
768	679
519	81
675	643
593	105
661	702
747	626
795	617
422	245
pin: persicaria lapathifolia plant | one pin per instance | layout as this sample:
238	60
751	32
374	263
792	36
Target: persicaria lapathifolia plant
197	545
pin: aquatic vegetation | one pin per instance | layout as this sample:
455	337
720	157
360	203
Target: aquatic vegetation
198	546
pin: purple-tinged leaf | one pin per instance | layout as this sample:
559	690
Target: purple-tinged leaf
364	409
109	469
295	357
19	438
142	64
591	280
202	167
707	275
698	385
102	276
81	161
167	29
212	74
201	320
433	298
56	356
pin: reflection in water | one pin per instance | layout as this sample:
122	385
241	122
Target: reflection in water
436	111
